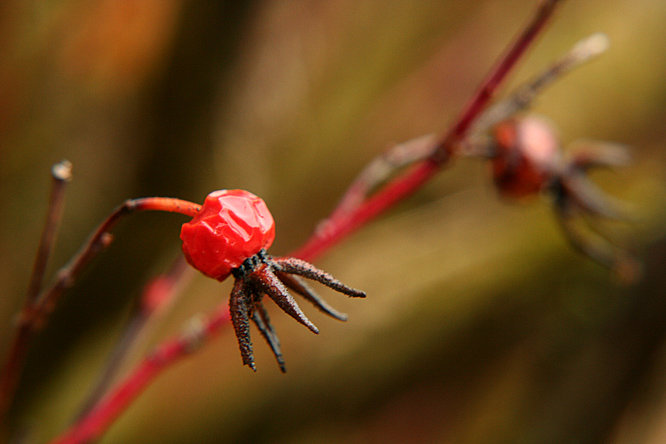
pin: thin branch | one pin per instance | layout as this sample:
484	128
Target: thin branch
101	239
36	312
379	170
493	81
61	175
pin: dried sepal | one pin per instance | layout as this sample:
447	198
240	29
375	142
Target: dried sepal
261	275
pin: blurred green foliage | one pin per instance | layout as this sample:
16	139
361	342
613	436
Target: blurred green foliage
481	324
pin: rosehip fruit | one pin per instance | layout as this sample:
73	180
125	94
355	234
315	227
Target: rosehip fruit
527	156
232	226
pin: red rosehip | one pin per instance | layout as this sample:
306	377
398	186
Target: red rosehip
527	157
233	225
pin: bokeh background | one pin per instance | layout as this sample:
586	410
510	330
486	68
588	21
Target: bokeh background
481	324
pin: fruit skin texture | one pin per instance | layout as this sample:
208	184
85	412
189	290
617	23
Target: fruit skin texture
232	226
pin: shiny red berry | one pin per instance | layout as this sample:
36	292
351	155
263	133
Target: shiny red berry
233	225
527	156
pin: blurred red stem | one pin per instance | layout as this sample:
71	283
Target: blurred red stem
343	223
497	75
333	231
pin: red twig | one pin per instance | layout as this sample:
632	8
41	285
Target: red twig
99	240
39	307
497	75
378	171
334	230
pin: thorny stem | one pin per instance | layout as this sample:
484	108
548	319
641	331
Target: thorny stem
335	229
39	307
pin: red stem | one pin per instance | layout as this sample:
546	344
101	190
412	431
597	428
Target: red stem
335	229
38	308
94	424
498	74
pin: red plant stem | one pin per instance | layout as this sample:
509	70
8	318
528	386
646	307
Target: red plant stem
99	240
497	75
102	416
335	229
380	169
39	307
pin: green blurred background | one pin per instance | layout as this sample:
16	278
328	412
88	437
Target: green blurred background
481	324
